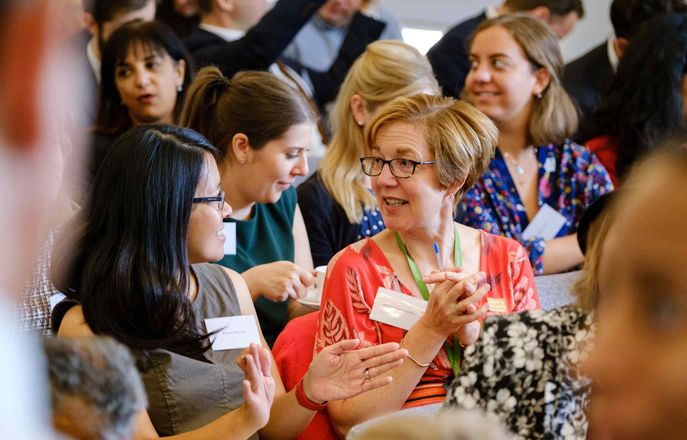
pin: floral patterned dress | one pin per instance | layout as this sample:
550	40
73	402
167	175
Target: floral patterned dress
523	371
355	274
570	179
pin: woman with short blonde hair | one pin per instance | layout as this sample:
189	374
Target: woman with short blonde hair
421	152
337	205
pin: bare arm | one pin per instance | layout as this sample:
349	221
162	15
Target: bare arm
301	254
561	254
336	371
423	342
284	280
237	424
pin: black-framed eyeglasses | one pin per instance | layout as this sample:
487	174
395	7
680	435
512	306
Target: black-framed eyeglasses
218	198
400	168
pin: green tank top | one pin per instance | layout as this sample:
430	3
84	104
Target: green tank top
265	238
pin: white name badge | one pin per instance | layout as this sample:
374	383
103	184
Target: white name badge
232	332
397	309
545	224
230	235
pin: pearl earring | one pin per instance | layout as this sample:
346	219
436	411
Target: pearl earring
538	95
360	123
180	88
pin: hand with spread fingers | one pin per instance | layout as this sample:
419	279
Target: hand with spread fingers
258	387
452	306
344	370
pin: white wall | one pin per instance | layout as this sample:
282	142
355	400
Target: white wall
442	14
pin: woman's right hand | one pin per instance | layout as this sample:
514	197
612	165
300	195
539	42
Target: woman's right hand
258	387
279	281
453	301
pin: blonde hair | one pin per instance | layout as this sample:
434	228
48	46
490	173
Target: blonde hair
554	116
461	138
586	288
386	70
449	424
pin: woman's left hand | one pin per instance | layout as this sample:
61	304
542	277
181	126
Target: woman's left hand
258	388
341	370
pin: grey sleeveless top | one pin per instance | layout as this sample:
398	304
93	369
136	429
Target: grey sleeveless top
186	393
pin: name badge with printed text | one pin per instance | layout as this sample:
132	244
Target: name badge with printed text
545	224
497	305
232	332
397	309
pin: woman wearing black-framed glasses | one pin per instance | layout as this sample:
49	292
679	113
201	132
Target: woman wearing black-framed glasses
422	153
134	264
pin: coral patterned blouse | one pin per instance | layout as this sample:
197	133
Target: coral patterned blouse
355	274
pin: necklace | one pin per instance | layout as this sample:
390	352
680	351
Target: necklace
519	177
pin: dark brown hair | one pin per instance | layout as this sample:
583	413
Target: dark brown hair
257	104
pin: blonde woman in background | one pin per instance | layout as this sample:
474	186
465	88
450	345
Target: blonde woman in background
337	203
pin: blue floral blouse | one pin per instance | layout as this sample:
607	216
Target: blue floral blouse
570	179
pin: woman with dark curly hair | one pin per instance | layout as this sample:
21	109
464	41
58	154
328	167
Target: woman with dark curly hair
646	101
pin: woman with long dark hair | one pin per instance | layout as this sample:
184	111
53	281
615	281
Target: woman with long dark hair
135	267
646	100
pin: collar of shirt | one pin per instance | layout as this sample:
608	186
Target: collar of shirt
612	56
226	34
490	12
322	24
93	59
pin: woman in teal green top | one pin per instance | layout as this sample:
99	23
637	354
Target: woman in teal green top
263	129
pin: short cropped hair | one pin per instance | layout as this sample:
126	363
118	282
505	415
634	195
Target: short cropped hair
627	16
106	10
461	138
98	374
557	7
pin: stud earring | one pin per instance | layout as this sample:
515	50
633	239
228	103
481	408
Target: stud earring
180	88
538	95
360	123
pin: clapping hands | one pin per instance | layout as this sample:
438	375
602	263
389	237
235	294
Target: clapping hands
452	307
258	387
344	370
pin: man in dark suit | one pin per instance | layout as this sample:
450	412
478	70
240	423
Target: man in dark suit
244	37
449	56
586	78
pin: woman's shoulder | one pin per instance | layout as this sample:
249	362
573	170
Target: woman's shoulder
358	254
572	151
493	243
72	323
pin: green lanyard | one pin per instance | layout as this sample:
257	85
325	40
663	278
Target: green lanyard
455	353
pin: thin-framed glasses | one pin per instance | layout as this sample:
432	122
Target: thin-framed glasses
218	198
400	168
